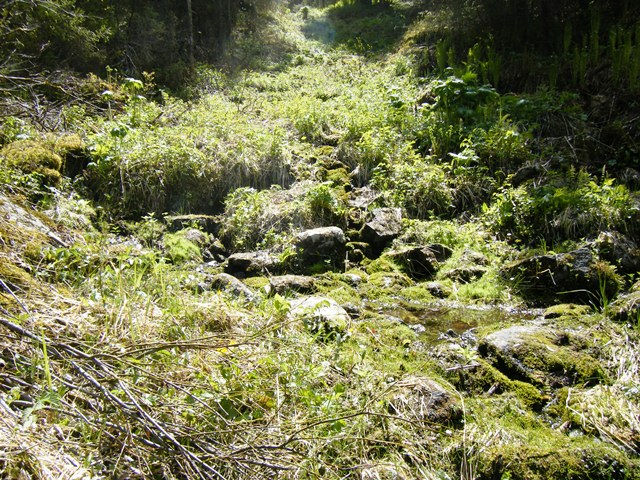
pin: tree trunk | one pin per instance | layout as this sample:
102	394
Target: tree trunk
190	33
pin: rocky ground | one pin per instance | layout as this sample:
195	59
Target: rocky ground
342	324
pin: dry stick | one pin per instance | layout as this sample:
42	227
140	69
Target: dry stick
112	398
6	287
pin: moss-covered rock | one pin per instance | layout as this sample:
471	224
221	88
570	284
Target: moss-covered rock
540	356
574	460
576	276
626	308
32	156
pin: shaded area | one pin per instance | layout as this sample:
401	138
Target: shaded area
360	27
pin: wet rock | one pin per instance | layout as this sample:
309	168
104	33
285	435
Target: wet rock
421	262
291	283
252	263
626	308
321	315
576	276
540	356
437	289
352	279
230	284
619	251
384	226
466	274
321	244
422	399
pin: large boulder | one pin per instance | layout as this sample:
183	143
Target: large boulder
422	261
540	356
252	263
384	227
321	315
324	244
620	251
577	276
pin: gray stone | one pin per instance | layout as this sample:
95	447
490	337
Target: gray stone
576	276
467	273
422	399
196	236
541	356
252	263
421	262
384	227
321	244
321	315
474	258
291	283
230	284
437	289
626	308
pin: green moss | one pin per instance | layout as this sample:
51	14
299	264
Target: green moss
65	144
31	156
14	276
381	264
570	460
339	177
567	310
416	293
256	282
180	250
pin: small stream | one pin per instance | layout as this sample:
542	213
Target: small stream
439	320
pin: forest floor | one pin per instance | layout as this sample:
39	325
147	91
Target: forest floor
325	264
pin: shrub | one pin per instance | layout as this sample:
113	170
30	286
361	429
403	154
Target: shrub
567	206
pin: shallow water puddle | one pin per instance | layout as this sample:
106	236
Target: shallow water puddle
444	319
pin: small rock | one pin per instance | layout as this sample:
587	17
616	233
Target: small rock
474	258
352	279
196	236
321	315
229	283
320	244
383	228
252	263
437	289
421	262
424	400
291	283
466	274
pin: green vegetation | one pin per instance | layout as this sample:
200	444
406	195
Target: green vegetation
436	169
